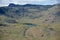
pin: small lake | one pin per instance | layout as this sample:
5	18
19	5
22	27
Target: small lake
29	24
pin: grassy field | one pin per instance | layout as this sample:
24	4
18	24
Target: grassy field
22	31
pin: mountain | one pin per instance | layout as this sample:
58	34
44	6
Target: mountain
30	11
30	22
23	10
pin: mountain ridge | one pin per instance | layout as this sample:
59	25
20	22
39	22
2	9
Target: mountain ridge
28	10
22	9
